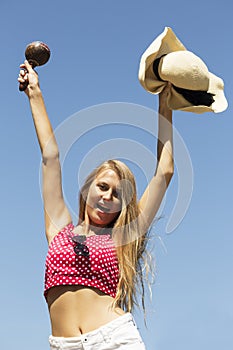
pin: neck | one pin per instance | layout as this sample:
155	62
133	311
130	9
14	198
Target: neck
90	228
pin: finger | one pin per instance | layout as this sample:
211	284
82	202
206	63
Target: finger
22	68
28	66
23	75
168	86
166	89
21	80
22	72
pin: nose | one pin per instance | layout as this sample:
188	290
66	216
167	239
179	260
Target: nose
107	195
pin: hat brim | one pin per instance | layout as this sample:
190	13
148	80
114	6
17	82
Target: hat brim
166	43
216	86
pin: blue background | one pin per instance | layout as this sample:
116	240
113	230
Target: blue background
96	48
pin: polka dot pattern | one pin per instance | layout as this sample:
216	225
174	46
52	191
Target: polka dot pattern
99	269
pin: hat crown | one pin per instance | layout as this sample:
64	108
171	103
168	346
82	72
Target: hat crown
191	74
185	70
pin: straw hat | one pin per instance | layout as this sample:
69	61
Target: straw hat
194	88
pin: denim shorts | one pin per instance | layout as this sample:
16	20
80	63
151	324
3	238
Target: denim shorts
121	333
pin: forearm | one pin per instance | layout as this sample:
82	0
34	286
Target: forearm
152	197
43	127
165	138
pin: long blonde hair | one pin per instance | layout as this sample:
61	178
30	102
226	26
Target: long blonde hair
130	242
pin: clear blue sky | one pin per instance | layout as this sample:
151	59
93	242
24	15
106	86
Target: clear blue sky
96	47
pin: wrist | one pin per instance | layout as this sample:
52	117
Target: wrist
34	91
165	111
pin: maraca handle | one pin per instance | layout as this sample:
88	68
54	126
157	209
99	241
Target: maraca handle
23	86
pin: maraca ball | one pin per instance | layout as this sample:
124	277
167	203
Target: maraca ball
37	53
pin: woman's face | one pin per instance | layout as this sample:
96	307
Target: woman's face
104	201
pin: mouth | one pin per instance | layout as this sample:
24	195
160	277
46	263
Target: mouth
102	208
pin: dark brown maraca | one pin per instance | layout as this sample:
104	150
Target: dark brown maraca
37	53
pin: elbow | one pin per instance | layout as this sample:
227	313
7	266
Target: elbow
168	172
49	150
50	155
170	167
168	177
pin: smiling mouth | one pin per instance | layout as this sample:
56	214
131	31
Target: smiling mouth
102	208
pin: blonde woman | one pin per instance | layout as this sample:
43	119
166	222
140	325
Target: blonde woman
94	269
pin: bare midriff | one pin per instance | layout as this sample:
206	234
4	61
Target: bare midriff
75	310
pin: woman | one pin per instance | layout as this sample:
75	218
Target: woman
93	269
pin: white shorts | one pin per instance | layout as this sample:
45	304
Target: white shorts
122	333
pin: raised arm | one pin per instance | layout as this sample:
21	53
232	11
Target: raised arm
154	193
55	210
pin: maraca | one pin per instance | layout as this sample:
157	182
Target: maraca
37	53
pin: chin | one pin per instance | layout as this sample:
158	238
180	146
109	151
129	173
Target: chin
96	219
102	223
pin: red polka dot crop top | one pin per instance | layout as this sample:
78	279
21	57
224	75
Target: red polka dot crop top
64	267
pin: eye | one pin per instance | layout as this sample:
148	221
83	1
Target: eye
117	193
103	186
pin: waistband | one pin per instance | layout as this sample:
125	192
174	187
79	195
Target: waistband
102	331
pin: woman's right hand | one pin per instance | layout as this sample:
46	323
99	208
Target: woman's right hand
28	75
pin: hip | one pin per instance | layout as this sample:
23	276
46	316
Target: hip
121	333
